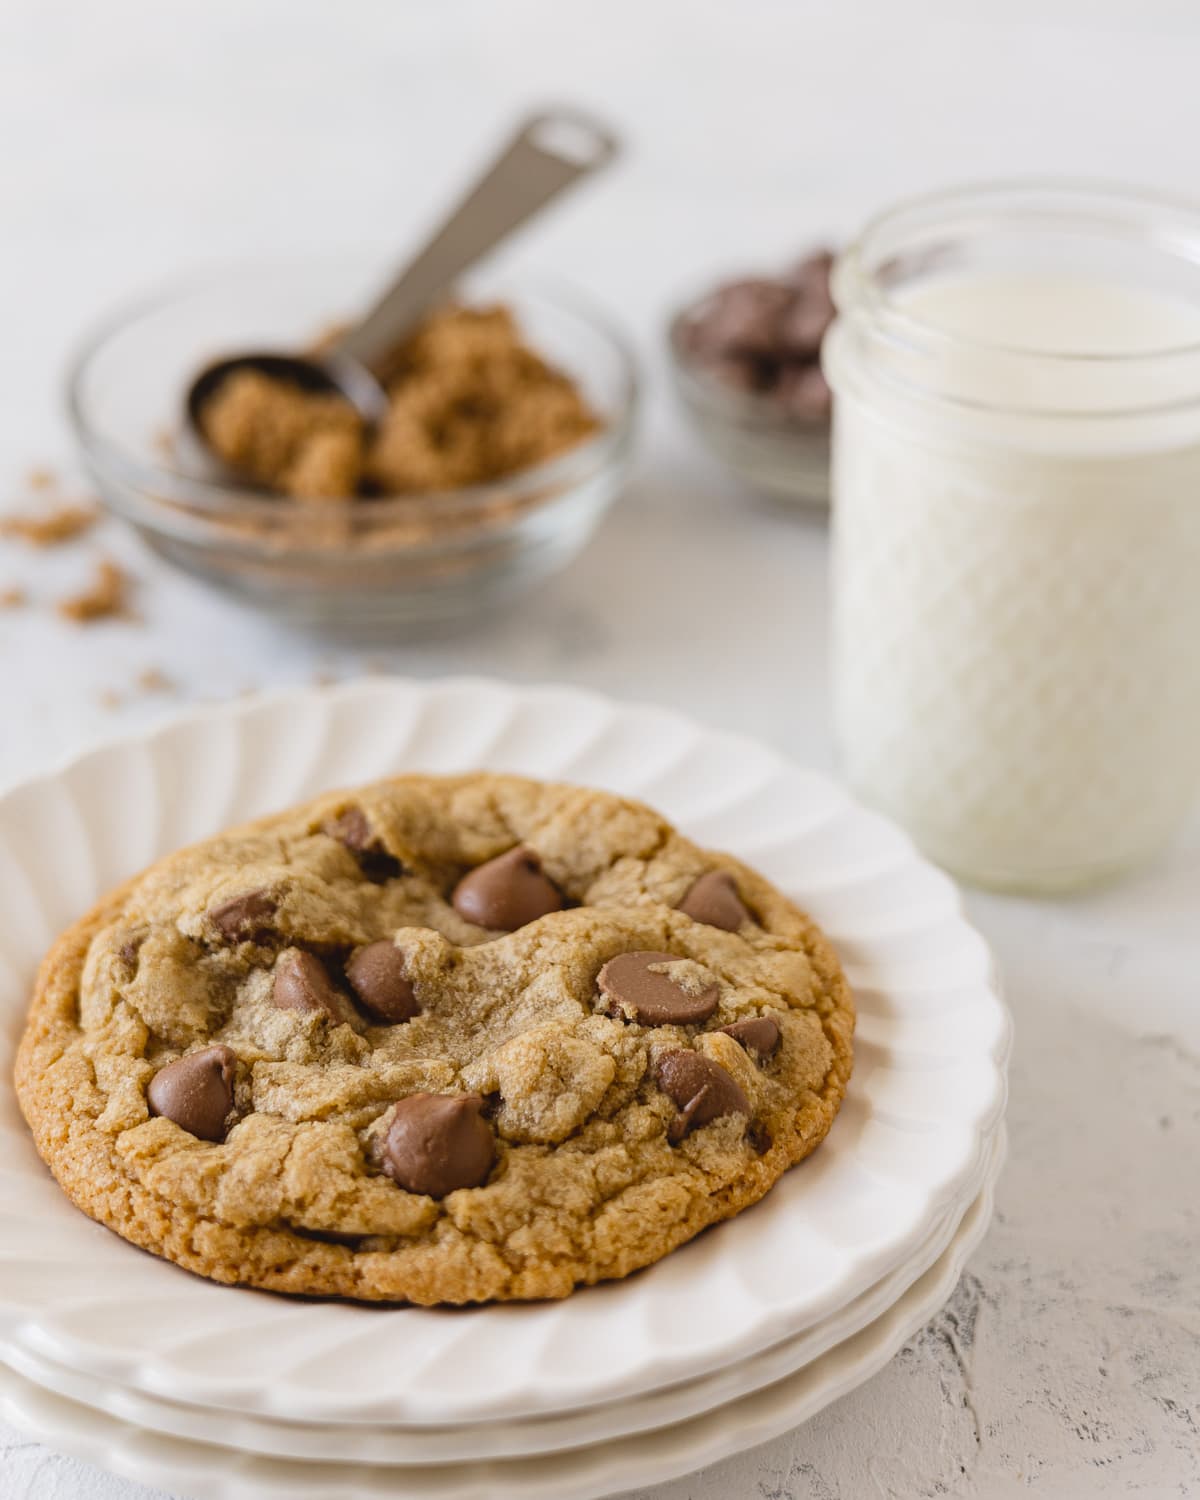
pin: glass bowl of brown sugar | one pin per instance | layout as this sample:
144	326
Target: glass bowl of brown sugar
509	434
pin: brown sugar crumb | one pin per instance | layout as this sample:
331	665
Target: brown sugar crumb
49	528
13	598
306	445
469	402
153	680
105	599
41	478
108	698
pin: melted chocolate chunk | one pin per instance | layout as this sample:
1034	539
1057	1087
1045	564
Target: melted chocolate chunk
353	830
760	1138
377	976
713	899
329	1236
196	1092
302	983
438	1143
759	1035
701	1089
635	991
246	918
507	892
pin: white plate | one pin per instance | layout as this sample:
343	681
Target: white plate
928	1086
614	1421
208	1473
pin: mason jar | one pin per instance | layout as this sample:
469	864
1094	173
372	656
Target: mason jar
1016	547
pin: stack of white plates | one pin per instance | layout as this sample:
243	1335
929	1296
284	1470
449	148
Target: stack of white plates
228	1395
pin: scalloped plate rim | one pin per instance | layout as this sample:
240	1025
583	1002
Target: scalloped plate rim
707	1394
418	693
733	1428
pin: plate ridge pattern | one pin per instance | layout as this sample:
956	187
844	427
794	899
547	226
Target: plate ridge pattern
861	1206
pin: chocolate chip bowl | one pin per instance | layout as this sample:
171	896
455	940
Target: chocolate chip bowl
439	1039
745	358
422	526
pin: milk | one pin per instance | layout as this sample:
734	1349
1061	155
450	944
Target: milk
1016	659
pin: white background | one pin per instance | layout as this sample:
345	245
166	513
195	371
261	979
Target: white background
139	140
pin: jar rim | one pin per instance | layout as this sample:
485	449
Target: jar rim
1111	205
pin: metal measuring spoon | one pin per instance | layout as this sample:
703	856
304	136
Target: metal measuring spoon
550	151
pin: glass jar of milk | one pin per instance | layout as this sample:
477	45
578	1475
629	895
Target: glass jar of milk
1016	482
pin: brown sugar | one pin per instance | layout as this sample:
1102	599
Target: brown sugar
154	680
13	598
306	445
469	402
105	598
49	528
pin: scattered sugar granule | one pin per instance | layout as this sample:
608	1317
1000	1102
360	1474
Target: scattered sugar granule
49	528
105	599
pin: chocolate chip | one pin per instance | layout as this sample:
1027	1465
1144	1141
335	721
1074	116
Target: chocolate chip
507	892
760	1138
742	317
764	335
196	1092
759	1035
634	990
377	976
738	372
812	311
128	952
302	983
804	393
701	1089
352	829
439	1142
803	330
246	918
813	272
714	900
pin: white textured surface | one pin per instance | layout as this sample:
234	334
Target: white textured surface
142	139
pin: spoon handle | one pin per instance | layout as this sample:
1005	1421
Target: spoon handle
549	152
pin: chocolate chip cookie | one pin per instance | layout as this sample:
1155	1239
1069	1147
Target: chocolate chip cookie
441	1039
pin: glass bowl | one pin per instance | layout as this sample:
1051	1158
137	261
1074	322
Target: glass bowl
768	449
398	560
